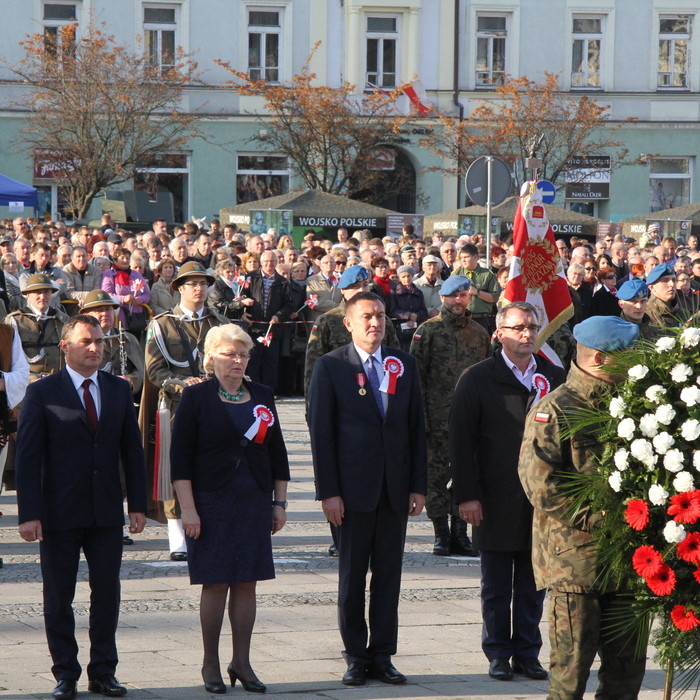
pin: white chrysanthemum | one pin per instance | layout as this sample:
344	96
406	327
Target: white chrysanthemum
657	494
690	337
690	430
648	425
674	532
663	442
642	450
656	393
681	372
690	395
683	482
617	407
696	459
625	428
673	460
665	344
615	481
620	459
665	414
638	372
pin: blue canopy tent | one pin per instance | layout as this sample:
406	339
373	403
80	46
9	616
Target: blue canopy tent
13	191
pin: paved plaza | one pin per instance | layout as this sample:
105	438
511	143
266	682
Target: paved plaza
296	646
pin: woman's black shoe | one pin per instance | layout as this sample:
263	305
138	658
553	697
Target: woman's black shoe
215	687
254	686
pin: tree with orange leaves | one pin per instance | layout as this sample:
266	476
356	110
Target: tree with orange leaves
522	114
100	111
333	137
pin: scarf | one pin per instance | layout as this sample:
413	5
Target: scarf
383	284
122	277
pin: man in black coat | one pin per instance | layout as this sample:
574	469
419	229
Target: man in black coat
272	304
368	443
77	432
487	419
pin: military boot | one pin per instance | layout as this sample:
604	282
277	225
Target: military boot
460	544
441	548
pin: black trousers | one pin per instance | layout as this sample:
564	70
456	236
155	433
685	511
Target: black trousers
511	607
370	541
264	363
60	555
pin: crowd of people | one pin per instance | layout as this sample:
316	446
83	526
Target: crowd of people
417	396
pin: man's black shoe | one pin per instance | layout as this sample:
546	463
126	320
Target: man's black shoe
333	551
355	675
386	674
107	685
531	668
65	690
126	539
500	670
178	556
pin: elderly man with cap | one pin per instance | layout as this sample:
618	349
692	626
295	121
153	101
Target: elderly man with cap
633	297
123	356
429	284
175	350
487	419
444	347
564	556
663	305
409	257
39	326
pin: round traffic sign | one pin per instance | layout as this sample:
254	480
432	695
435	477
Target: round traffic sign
548	190
476	181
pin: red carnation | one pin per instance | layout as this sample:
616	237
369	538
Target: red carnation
685	507
684	618
663	581
647	561
696	573
689	548
637	514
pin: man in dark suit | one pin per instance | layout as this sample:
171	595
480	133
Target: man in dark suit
487	420
76	427
272	304
368	443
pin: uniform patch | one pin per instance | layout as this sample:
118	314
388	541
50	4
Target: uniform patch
542	417
416	336
314	327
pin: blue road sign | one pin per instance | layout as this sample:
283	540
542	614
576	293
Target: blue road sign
549	192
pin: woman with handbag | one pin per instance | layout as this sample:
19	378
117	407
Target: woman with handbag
230	470
130	289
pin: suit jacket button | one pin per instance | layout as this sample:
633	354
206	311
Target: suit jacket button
244	442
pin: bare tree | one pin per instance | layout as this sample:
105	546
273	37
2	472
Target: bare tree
100	110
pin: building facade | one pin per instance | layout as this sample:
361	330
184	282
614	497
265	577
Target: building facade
640	57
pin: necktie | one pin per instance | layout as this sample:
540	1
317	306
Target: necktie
373	378
90	408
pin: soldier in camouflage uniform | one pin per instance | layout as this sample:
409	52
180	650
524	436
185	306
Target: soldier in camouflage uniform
39	327
663	308
118	350
175	350
444	347
564	557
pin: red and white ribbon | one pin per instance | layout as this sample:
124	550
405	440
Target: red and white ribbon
263	420
541	385
393	369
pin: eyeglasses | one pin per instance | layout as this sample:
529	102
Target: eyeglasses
589	268
610	277
236	356
196	285
523	328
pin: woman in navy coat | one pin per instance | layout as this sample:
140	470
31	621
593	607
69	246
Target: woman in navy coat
230	471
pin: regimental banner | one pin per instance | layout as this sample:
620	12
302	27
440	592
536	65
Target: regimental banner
537	273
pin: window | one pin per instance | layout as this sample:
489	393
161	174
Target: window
159	25
586	52
382	39
259	176
57	20
264	31
674	36
670	183
165	183
491	46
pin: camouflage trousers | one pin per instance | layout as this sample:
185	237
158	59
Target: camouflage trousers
438	501
577	631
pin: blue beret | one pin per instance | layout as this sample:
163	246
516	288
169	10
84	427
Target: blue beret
606	333
633	289
353	275
663	270
454	284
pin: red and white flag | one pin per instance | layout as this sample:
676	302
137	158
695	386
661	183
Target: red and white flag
416	93
537	273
